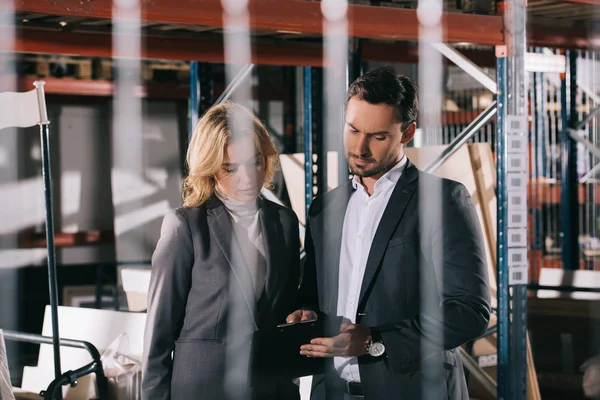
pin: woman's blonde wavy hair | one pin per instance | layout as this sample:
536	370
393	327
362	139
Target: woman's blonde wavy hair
207	150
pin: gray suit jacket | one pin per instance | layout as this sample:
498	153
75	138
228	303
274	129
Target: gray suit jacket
444	253
201	303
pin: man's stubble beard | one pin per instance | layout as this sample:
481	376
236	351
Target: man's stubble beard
379	168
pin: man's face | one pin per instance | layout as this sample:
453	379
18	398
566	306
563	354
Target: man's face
372	138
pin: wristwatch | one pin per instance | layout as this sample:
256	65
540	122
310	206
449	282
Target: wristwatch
375	347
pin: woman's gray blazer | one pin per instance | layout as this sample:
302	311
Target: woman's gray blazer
202	308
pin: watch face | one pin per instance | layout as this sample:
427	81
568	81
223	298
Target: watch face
376	349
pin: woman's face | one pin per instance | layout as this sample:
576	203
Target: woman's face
243	171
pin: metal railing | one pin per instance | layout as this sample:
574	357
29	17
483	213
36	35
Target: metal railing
69	377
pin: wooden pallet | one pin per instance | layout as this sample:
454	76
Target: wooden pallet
46	66
150	70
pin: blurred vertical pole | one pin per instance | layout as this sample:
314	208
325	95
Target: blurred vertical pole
127	106
127	139
335	77
354	69
9	173
7	43
238	58
431	84
512	176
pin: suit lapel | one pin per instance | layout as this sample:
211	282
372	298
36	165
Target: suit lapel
222	231
332	224
401	195
273	239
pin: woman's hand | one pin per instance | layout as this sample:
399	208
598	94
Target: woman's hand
301	315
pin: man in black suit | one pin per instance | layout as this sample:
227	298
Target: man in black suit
397	257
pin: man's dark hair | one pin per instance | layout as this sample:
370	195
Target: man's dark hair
384	85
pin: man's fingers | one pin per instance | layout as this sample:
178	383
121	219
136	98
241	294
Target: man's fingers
328	342
311	348
315	350
315	354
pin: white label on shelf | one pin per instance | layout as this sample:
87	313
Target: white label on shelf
516	163
517	143
517	200
488	361
517	237
517	257
548	63
518	275
517	219
517	124
516	181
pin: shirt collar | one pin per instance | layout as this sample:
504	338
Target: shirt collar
392	176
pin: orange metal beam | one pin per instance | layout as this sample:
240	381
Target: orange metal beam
372	22
203	50
162	48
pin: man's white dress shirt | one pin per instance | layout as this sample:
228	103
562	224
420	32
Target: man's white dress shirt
360	224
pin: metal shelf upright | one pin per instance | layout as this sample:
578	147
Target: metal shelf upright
315	154
512	178
569	184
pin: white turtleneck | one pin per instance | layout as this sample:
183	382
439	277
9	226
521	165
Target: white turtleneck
245	219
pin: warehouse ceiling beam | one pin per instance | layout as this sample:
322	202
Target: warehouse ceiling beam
162	48
288	16
265	51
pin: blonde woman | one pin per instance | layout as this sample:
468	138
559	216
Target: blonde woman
226	264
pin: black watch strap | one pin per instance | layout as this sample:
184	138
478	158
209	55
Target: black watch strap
376	335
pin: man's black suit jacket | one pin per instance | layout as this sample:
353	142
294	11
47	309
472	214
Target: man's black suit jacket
425	286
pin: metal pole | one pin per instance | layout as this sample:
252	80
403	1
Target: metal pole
205	77
502	262
53	285
463	137
539	100
234	84
320	142
308	123
466	65
569	181
193	104
587	119
573	134
471	365
290	106
514	247
591	173
589	92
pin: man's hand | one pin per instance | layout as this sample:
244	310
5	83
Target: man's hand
301	315
351	342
